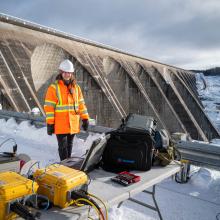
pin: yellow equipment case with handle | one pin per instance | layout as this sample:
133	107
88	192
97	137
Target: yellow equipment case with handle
13	187
58	181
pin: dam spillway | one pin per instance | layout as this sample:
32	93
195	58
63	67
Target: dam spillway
113	82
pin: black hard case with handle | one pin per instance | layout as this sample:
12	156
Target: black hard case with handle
139	124
130	147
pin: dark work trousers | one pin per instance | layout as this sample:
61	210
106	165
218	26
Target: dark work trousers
65	144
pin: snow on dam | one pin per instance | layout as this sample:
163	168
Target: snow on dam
114	82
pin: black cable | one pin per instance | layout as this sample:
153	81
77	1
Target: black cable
23	211
39	201
37	162
178	180
7	141
83	194
84	153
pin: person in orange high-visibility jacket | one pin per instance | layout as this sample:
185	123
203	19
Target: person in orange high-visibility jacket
64	106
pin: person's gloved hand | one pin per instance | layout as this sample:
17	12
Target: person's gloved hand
50	129
85	124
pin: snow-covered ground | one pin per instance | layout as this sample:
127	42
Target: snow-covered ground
198	199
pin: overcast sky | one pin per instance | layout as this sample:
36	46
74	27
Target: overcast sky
183	33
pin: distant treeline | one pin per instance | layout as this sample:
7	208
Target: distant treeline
209	72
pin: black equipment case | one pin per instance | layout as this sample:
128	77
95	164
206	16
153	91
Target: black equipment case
130	147
139	124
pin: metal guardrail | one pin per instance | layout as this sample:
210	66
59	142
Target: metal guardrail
39	121
200	153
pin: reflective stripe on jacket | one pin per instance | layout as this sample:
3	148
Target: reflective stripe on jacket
64	106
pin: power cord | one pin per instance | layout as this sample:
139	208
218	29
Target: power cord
37	201
106	211
92	204
15	147
7	141
34	180
28	172
80	198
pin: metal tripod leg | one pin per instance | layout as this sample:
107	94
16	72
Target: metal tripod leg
156	208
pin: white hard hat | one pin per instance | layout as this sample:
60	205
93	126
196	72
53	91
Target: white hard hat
66	66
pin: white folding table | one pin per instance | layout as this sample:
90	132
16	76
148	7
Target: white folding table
112	193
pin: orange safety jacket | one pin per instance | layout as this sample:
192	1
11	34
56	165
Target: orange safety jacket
64	106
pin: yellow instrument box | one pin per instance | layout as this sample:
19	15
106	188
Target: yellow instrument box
57	182
13	187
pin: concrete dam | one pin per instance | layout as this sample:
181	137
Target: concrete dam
114	82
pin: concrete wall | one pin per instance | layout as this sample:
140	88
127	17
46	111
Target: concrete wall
114	83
